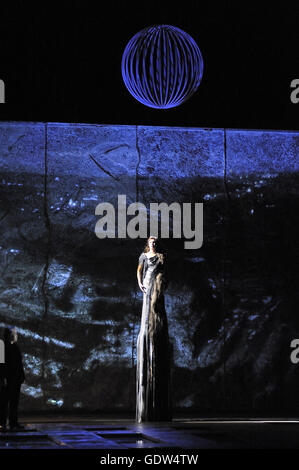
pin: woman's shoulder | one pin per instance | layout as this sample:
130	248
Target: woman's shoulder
161	256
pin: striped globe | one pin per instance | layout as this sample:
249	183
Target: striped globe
162	66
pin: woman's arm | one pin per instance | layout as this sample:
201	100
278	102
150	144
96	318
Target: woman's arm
139	277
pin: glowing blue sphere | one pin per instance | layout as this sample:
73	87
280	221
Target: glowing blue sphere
162	66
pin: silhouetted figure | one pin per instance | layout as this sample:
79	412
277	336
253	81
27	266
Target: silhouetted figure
12	376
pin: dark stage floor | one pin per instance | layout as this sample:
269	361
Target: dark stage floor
85	432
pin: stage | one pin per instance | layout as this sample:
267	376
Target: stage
90	432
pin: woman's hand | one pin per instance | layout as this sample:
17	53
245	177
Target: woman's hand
142	287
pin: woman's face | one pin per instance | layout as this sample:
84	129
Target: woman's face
152	244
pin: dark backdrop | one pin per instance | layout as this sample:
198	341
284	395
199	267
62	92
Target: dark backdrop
231	305
61	62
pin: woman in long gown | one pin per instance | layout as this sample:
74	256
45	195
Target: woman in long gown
153	352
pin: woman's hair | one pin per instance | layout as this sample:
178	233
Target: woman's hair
159	247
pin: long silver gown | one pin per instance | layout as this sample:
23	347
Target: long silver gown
153	399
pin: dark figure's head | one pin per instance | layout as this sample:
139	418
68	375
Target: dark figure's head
10	334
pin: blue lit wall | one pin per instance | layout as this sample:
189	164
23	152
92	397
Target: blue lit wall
232	305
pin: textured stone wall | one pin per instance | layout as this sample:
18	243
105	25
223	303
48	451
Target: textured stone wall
231	305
